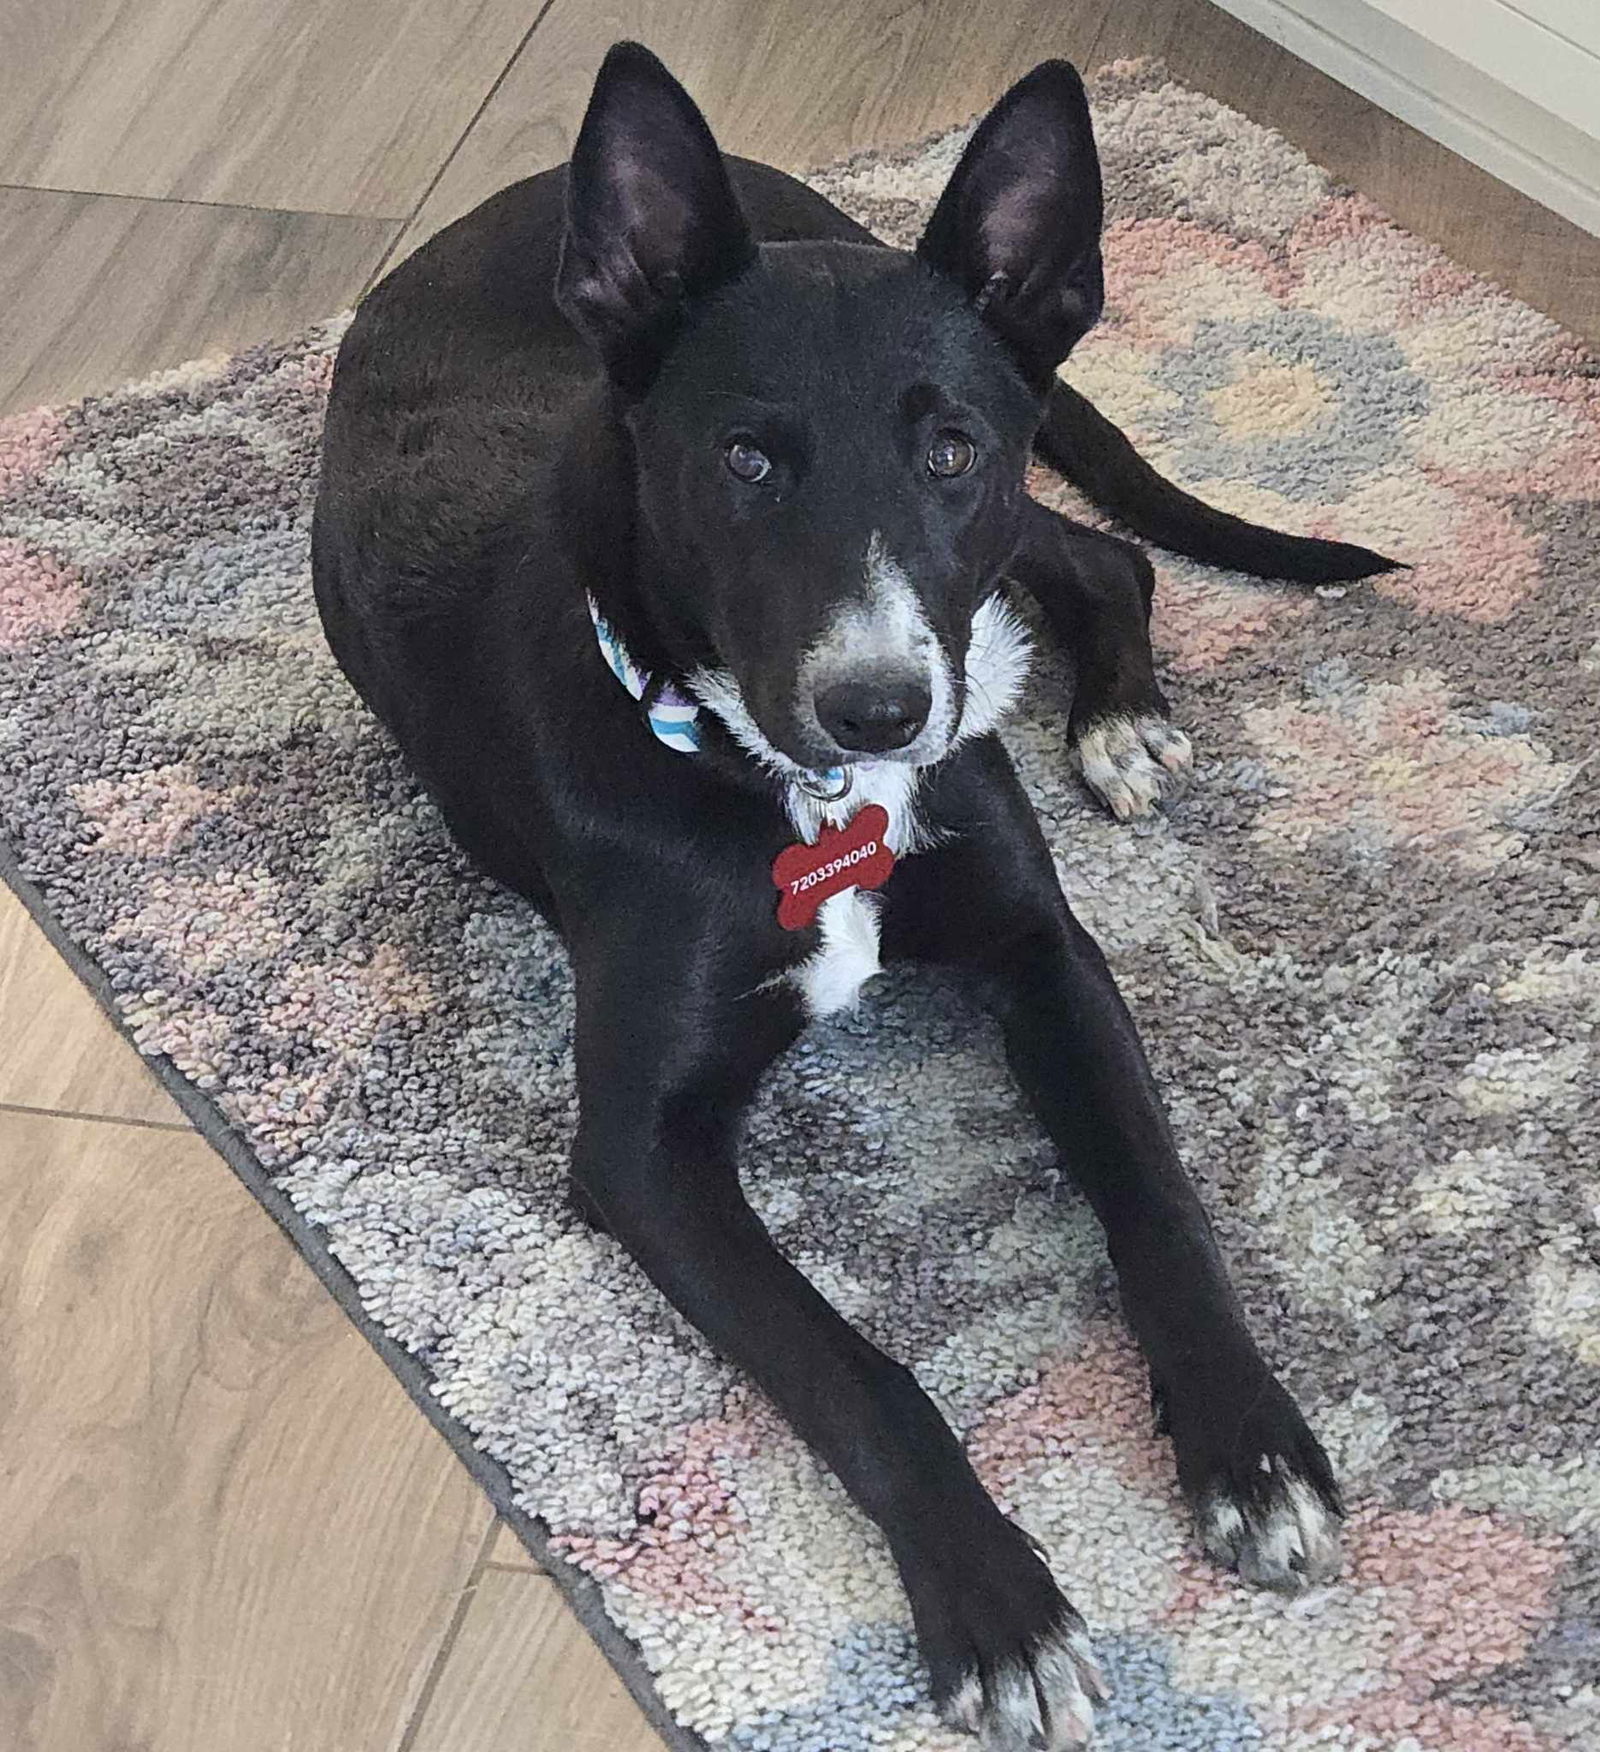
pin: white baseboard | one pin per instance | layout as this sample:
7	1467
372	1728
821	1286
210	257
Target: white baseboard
1501	123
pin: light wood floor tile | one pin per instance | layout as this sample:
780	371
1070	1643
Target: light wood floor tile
793	82
510	1553
95	290
523	1676
225	1524
346	108
57	1050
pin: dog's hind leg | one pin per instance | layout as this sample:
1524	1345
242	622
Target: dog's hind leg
672	1038
1096	592
1259	1485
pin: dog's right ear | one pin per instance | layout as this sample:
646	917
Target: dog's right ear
652	220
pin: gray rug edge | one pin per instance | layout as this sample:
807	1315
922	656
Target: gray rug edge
580	1592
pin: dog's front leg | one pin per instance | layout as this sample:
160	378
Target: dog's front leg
669	1050
1096	591
1262	1493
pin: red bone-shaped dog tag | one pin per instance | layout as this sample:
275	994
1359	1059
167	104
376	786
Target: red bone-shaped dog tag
853	856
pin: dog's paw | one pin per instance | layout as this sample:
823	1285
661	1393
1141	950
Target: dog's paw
1008	1656
1283	1535
1040	1699
1128	762
1264	1497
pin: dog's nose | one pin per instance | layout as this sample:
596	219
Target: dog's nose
874	715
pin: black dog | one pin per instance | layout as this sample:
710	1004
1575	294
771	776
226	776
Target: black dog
664	520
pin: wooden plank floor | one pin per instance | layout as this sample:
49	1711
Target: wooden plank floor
225	1525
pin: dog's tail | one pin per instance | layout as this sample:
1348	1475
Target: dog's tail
1082	443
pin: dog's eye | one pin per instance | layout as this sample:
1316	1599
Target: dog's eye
951	454
746	463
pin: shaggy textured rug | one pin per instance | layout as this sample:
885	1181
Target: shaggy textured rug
1364	946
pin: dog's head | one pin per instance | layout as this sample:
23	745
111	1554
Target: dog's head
830	438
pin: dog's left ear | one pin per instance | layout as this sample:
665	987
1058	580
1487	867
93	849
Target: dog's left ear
1018	225
652	220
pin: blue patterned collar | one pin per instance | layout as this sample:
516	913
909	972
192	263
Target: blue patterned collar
674	717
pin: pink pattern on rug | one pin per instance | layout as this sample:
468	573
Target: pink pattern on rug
1466	1591
1202	622
29	443
39	594
1096	1403
147	814
1392	765
1352	237
1485	567
234	917
312	374
1568	464
1349	215
689	1515
341	1007
1152	269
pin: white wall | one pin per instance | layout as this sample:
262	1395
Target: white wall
1514	85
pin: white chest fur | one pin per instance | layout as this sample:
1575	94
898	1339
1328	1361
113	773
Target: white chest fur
831	979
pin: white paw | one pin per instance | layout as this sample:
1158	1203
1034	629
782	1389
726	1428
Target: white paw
1129	762
1285	1536
1042	1701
